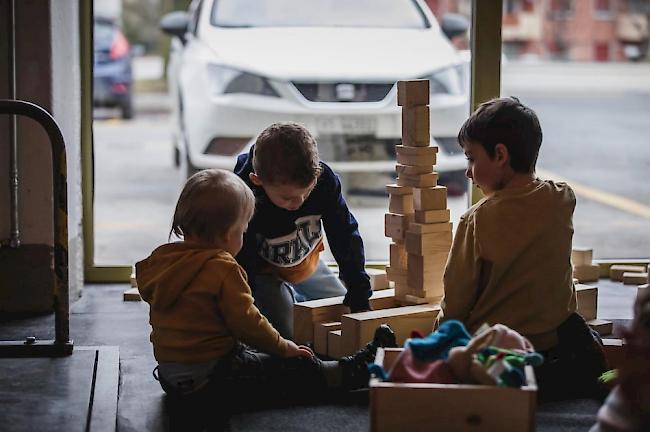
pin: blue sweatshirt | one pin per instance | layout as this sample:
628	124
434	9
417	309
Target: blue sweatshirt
283	241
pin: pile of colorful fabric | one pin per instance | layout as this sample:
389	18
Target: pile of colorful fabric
497	355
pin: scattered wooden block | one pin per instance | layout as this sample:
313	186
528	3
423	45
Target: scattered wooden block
418	181
413	169
614	352
415	126
308	313
358	329
398	256
321	331
429	243
401	204
616	271
582	256
413	93
416	156
458	407
134	280
432	198
430	228
378	279
603	327
587	301
396	225
394	189
132	294
432	216
335	344
586	273
634	278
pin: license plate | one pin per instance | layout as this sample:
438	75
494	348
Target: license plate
351	125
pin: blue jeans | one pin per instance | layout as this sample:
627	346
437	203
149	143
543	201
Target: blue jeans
275	297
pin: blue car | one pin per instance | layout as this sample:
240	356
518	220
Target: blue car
113	80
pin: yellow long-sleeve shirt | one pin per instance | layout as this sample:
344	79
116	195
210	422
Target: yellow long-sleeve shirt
510	262
200	305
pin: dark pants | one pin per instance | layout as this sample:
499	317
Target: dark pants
245	379
571	369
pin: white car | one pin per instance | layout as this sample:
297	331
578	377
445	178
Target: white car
237	66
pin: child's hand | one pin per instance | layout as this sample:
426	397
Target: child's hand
294	350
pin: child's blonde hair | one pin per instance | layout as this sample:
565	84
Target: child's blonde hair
211	202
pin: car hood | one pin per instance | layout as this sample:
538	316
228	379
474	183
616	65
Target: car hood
333	54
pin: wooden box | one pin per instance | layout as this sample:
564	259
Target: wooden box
443	407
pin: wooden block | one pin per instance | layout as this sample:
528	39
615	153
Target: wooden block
416	156
432	198
575	281
308	313
411	300
401	204
394	189
413	93
395	225
335	344
432	216
582	256
458	407
358	329
413	169
132	294
398	256
396	275
429	228
321	331
402	289
614	352
587	301
641	290
134	281
425	274
418	181
586	273
430	243
603	327
634	278
616	271
416	126
378	279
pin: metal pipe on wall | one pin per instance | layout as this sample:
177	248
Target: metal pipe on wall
14	240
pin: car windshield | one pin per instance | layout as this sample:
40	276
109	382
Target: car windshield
103	33
318	13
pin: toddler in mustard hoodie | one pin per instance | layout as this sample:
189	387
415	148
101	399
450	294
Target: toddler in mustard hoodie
212	344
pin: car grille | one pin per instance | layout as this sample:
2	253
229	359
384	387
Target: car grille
331	92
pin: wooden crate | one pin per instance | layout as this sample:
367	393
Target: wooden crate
458	408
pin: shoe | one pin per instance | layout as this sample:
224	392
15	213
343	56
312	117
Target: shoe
355	366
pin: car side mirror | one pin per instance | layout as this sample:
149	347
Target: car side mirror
453	25
175	24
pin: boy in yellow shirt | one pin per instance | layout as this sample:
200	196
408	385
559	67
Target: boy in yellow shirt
202	314
510	262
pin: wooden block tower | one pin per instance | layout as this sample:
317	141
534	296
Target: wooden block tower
418	217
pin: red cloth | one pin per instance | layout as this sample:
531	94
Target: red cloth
408	369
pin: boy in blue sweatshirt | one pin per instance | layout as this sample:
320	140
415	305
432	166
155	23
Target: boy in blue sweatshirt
297	195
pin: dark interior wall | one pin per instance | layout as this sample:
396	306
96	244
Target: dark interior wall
26	275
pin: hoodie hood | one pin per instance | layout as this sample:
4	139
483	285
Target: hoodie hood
171	268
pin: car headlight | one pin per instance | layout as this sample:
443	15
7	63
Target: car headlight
448	81
224	80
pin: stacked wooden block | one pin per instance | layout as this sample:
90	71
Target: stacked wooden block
584	268
418	218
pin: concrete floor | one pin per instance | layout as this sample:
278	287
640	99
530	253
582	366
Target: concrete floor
101	318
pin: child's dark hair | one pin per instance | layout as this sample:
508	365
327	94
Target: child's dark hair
286	153
211	202
509	122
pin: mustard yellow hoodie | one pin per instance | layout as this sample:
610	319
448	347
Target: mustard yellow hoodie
200	305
